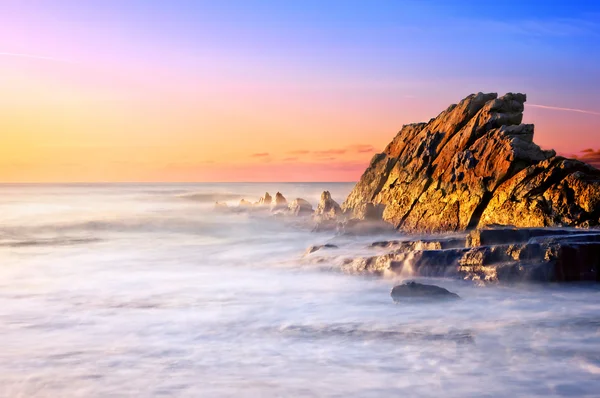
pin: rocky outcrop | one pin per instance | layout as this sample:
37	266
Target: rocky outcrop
300	207
265	200
327	209
473	165
489	255
245	203
280	201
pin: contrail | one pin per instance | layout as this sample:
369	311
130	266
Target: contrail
32	56
556	108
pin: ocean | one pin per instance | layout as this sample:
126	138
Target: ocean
144	290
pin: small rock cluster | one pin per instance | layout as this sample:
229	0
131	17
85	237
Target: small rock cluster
328	216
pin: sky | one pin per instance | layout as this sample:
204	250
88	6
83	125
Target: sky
250	90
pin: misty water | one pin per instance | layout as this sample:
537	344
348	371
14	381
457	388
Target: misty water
145	290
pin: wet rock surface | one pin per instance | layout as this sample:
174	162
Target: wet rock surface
491	255
475	165
419	291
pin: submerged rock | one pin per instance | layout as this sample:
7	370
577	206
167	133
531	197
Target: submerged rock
473	165
245	203
300	207
315	248
221	206
414	290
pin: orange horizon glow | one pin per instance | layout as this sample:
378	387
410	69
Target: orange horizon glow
105	93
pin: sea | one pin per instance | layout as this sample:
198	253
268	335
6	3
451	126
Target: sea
145	290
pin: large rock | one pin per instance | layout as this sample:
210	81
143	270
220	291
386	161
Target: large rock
473	165
300	207
420	291
280	200
279	203
327	209
489	256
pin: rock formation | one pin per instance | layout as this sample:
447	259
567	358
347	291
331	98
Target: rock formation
327	208
300	207
473	165
280	201
245	203
265	200
489	255
413	290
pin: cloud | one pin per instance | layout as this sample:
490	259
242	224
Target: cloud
260	155
557	108
550	27
33	56
362	148
330	152
590	156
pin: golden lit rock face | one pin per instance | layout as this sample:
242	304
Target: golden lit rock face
474	165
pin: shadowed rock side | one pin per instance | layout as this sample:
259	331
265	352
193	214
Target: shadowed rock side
489	255
474	165
418	291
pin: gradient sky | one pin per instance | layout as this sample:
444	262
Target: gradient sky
274	90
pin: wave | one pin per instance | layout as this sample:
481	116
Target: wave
359	331
79	231
47	242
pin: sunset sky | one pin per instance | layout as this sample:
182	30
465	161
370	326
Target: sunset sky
274	90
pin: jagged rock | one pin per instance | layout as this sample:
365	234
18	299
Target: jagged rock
508	255
315	248
414	290
473	165
221	206
279	201
327	209
245	203
300	207
265	200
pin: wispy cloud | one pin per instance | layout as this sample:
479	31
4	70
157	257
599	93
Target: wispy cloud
558	108
32	56
330	152
327	153
589	156
299	152
362	148
260	155
550	27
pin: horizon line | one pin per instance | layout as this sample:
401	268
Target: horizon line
173	182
